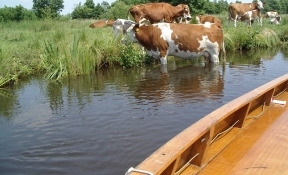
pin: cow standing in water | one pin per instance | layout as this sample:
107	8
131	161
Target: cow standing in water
237	10
186	41
159	12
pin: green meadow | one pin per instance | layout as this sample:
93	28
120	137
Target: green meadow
61	48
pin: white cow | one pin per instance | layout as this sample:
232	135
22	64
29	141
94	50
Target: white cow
119	28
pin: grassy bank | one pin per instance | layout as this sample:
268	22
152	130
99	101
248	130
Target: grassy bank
70	48
59	49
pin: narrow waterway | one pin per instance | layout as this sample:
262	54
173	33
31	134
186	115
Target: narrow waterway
104	124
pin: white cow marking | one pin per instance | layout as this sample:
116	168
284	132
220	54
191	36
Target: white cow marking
207	24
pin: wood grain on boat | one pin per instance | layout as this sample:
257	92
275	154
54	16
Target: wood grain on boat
245	136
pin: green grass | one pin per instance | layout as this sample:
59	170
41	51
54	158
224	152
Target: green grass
59	49
70	48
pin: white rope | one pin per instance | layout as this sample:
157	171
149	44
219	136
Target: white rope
139	171
258	114
280	93
187	164
223	132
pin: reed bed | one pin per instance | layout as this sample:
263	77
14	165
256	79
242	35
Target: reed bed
70	48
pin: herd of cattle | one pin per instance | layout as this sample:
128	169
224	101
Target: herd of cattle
163	30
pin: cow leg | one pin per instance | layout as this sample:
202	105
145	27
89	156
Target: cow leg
223	52
211	56
163	60
235	20
164	68
163	56
214	58
207	56
235	25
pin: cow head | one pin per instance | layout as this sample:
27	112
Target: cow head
130	32
260	4
278	18
186	11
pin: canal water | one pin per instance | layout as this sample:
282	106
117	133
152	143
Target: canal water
105	123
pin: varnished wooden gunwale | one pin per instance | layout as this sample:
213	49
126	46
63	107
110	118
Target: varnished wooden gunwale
201	144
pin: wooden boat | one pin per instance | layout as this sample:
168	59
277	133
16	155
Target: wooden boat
248	135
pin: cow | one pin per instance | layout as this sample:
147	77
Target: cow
275	20
159	12
250	16
201	19
271	14
186	41
119	29
102	23
236	10
181	19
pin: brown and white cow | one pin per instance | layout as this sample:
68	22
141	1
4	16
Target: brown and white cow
201	19
236	10
250	16
271	14
275	20
159	12
186	41
102	23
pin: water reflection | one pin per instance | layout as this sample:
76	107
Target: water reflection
154	85
8	101
82	89
191	81
284	50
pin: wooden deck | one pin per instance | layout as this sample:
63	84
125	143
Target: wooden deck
248	135
261	148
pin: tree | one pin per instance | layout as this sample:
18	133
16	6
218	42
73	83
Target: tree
90	4
81	12
118	10
284	5
17	13
47	8
98	10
